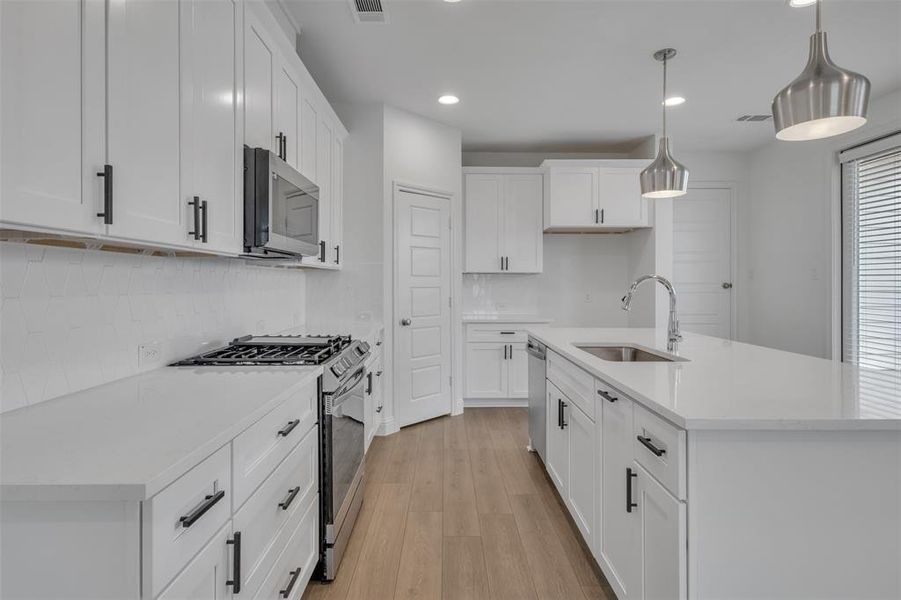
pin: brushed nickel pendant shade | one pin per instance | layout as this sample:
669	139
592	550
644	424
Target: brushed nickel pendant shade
665	177
824	100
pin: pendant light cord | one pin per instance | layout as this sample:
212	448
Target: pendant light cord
664	96
818	16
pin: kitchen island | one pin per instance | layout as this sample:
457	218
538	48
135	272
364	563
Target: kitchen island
725	470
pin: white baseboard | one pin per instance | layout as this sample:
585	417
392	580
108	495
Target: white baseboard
387	427
495	403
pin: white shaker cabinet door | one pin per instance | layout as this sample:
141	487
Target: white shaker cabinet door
483	208
486	370
287	94
52	113
518	371
259	61
212	161
309	124
582	471
324	180
205	576
572	197
618	548
522	223
143	113
619	197
659	532
557	451
337	234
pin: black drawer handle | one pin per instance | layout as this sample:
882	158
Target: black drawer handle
235	582
208	502
629	504
284	431
294	575
508	333
284	504
647	443
607	396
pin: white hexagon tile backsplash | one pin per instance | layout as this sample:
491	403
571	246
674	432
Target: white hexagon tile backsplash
72	319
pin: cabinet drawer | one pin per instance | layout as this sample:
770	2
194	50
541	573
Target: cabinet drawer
180	520
264	444
572	381
660	448
496	333
291	571
279	500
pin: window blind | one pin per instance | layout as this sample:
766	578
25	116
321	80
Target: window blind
871	255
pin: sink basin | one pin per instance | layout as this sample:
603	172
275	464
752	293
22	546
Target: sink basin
627	354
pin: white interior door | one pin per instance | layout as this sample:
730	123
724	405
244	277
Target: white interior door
422	317
702	260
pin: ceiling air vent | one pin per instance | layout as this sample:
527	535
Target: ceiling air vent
368	11
754	118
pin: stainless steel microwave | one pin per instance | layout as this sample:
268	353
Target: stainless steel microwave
281	208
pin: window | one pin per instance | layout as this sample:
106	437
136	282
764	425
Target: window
871	256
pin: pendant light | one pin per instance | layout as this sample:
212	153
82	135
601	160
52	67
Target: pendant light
665	177
824	100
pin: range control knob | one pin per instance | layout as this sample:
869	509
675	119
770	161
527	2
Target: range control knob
338	369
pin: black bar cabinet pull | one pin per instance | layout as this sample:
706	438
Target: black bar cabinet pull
235	582
369	383
647	443
338	254
107	213
195	203
560	413
507	263
283	432
602	215
294	575
208	502
203	222
607	396
508	333
284	504
597	218
563	422
629	475
322	251
502	263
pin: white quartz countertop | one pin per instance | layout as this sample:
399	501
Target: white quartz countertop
128	439
730	385
504	318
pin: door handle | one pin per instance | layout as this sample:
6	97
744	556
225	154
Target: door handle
405	322
235	581
563	422
195	203
629	504
204	236
597	216
107	213
727	285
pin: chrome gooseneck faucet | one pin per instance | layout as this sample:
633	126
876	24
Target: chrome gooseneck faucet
672	329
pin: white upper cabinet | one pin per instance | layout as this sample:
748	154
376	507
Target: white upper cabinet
259	64
143	115
593	195
287	132
52	111
503	222
211	157
324	139
337	200
309	120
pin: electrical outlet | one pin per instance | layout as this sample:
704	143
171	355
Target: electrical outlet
148	354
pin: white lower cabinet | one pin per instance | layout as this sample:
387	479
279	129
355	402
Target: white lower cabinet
557	445
582	470
293	568
496	362
659	547
374	398
206	575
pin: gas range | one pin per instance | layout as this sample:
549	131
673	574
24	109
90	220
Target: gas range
339	354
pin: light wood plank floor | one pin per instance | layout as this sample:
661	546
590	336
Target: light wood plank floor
457	508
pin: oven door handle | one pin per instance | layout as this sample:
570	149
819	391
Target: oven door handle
351	383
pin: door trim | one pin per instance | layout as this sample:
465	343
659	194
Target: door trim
733	189
392	423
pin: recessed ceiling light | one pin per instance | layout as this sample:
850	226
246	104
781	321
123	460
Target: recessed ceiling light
448	99
801	3
674	101
451	1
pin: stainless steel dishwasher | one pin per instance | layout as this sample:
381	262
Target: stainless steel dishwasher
537	396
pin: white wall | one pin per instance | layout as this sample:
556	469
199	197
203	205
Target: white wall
790	223
420	152
73	319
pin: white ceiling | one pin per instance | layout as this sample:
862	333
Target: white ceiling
559	75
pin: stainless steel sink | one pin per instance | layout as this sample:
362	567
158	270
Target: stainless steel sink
627	354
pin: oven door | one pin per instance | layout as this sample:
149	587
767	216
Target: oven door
342	453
